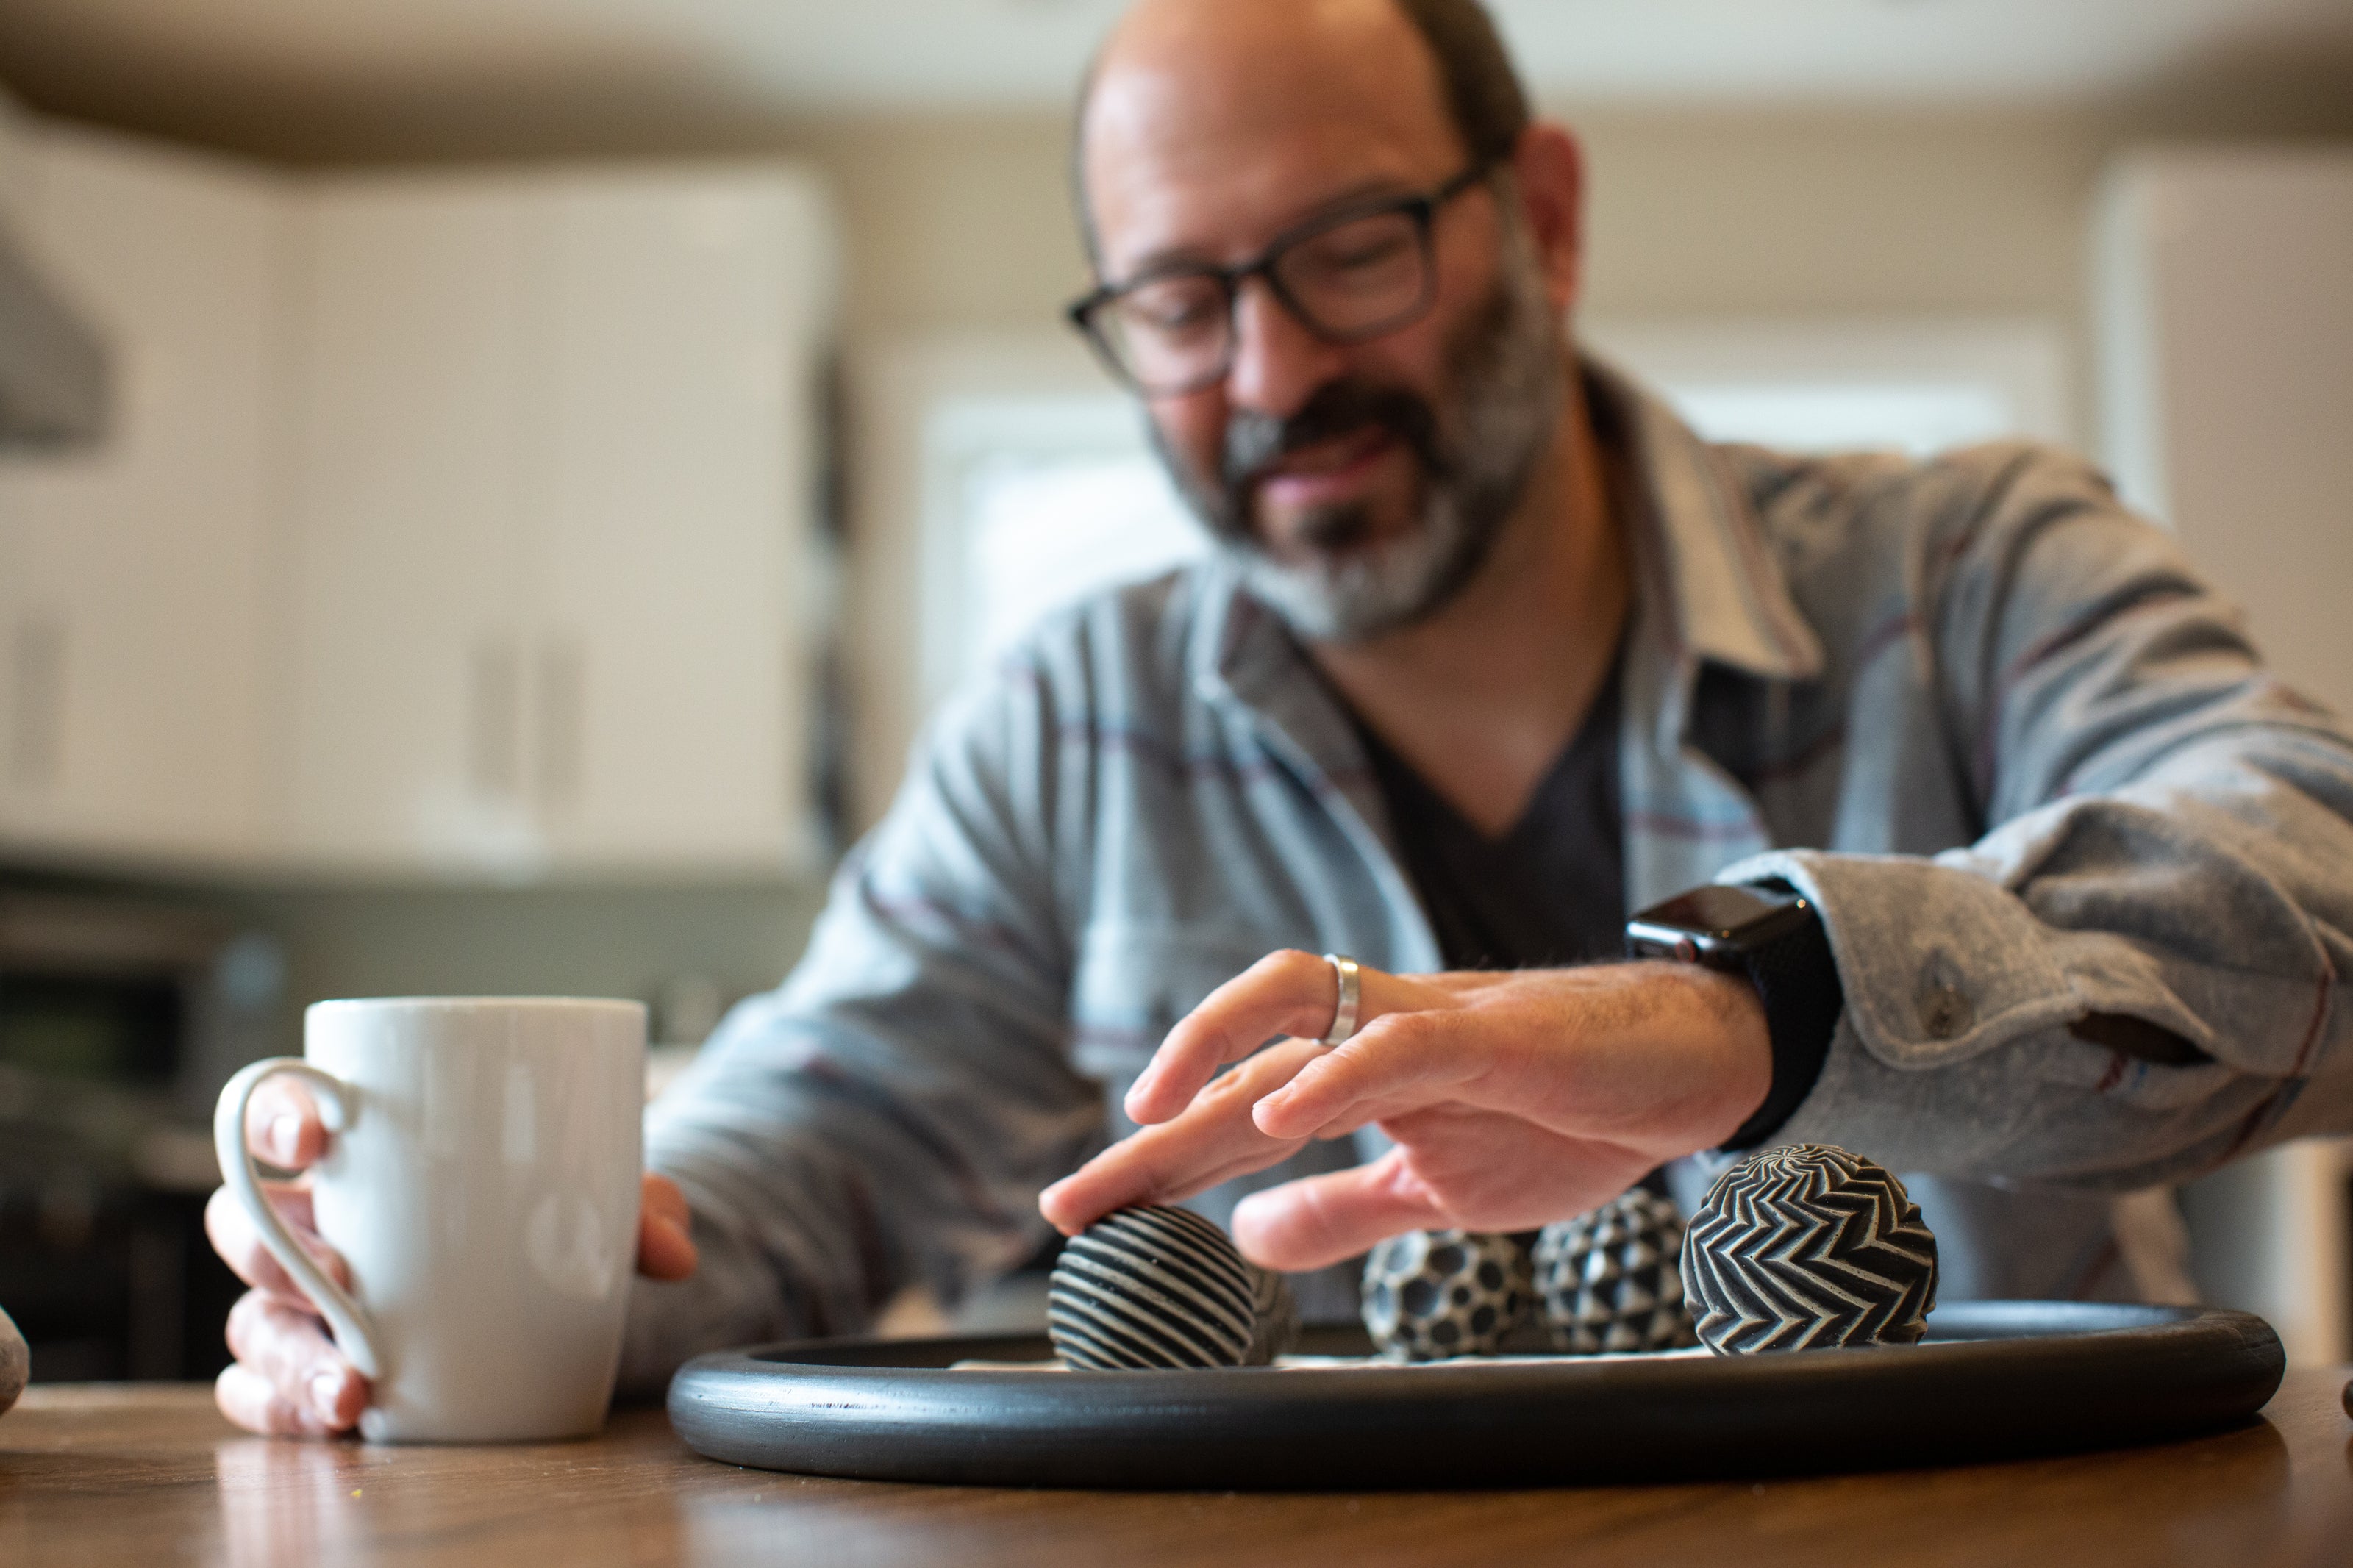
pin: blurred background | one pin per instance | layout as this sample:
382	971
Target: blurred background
489	490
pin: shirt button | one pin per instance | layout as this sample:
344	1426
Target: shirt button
1945	1012
1943	1009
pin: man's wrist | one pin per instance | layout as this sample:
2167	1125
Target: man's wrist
1775	940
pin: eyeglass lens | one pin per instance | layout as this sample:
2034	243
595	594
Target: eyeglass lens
1353	281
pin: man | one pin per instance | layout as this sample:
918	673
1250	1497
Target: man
1493	652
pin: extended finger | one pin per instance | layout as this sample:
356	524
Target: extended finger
665	1236
291	1352
1214	1140
1396	1063
1285	992
238	1240
282	1123
1320	1220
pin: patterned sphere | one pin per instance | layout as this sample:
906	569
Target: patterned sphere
1431	1294
1610	1279
1807	1248
1154	1287
1277	1315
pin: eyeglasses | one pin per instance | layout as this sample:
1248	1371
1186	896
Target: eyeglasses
1347	276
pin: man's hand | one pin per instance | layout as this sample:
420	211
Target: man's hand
288	1379
1514	1098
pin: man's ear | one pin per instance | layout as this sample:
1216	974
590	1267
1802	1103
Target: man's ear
1548	166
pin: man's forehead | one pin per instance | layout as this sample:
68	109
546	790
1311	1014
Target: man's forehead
1210	122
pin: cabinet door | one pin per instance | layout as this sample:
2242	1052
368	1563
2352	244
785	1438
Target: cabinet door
671	519
137	617
409	656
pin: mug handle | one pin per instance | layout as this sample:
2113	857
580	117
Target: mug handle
334	1303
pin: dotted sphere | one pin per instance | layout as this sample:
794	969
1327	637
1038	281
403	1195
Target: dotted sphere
1431	1294
1155	1287
1808	1246
1610	1280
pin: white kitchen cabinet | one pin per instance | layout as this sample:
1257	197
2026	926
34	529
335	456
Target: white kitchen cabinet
555	541
136	597
673	555
407	565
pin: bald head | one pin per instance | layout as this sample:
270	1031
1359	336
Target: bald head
1439	61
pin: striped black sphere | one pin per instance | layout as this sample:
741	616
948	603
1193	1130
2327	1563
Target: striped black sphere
1276	1311
1152	1286
1609	1282
1807	1248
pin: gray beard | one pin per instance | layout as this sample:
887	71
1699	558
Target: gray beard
1510	376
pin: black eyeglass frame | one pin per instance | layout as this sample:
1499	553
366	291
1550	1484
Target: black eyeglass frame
1422	207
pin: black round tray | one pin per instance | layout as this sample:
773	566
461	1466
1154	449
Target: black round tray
1994	1380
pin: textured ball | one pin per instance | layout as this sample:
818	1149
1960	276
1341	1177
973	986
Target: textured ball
1431	1294
1154	1287
1277	1314
1610	1280
1807	1248
16	1362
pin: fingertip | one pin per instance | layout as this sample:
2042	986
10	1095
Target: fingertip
337	1394
1270	1115
666	1249
1260	1232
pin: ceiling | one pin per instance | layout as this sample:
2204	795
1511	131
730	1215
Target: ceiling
643	61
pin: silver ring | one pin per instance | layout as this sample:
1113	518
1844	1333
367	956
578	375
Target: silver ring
1344	1012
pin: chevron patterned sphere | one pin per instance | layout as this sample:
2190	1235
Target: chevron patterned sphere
1431	1294
1154	1286
1610	1281
1807	1248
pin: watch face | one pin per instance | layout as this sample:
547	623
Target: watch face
1714	911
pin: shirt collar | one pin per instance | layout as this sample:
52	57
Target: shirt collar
1707	576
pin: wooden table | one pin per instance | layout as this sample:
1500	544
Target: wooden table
149	1475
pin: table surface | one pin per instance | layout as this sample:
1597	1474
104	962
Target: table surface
150	1474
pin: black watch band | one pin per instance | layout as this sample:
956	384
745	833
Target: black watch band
1798	980
1775	939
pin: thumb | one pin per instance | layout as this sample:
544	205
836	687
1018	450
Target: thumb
665	1238
1322	1219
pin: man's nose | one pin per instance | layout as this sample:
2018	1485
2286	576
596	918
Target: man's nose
1278	363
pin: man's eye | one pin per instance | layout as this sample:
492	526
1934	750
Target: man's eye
1365	254
1170	312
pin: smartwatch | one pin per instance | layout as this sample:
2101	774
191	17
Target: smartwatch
1773	938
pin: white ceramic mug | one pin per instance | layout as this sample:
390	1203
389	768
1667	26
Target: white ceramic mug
481	1179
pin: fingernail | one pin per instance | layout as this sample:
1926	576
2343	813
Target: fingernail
285	1138
326	1394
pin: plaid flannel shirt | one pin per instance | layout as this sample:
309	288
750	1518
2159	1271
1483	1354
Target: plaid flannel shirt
2016	749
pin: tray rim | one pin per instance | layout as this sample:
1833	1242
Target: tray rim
1996	1380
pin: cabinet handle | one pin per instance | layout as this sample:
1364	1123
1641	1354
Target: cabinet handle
36	706
563	697
493	710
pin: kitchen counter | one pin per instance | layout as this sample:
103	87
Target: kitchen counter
149	1474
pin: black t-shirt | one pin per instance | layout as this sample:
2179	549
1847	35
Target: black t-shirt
1552	889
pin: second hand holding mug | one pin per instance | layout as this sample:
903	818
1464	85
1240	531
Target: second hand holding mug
481	1179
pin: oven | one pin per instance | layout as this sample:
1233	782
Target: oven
120	1019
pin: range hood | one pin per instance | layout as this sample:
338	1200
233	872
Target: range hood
53	383
53	377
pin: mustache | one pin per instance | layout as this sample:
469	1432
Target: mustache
1256	441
